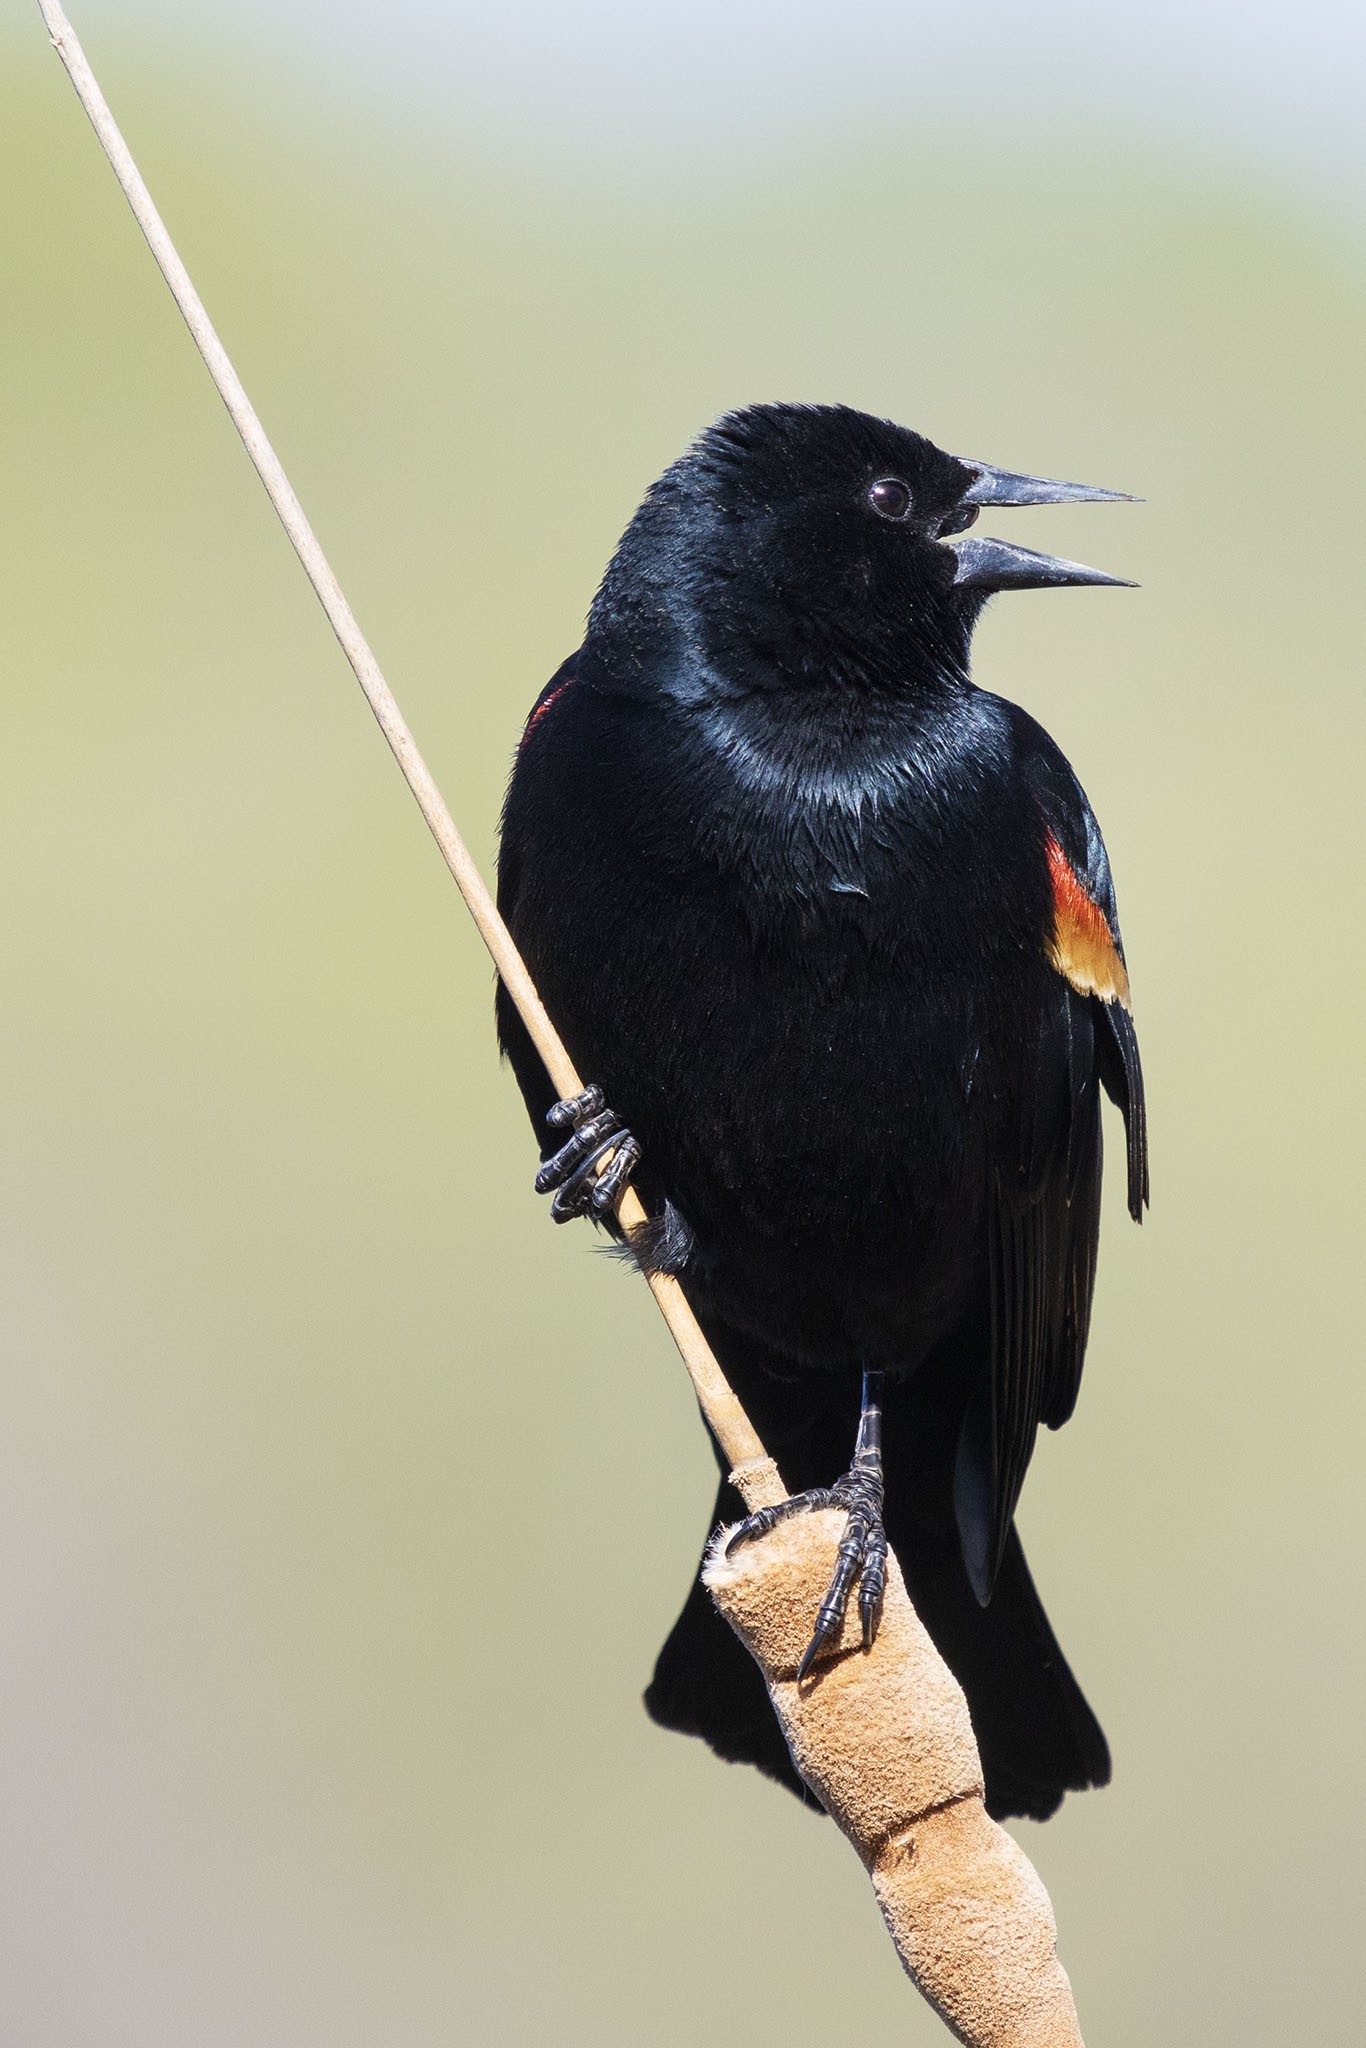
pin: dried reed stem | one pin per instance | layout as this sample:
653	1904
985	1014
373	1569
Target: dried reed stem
754	1472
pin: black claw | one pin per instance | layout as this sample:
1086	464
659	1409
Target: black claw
575	1198
811	1652
571	1174
862	1552
763	1519
872	1586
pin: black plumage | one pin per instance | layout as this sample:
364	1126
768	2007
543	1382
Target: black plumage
834	930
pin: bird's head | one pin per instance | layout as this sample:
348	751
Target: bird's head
790	540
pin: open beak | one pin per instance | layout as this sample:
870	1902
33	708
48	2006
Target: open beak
984	564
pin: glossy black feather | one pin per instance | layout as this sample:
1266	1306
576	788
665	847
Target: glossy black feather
780	871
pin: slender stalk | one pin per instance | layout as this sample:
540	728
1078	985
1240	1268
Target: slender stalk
754	1471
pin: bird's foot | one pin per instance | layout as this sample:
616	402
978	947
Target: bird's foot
573	1172
862	1552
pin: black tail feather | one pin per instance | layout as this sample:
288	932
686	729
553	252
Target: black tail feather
1037	1735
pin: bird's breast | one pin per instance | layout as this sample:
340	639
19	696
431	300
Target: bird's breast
808	1007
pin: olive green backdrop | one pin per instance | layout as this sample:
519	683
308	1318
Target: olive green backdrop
344	1502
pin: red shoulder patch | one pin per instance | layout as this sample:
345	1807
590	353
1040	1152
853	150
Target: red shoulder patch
1082	947
540	710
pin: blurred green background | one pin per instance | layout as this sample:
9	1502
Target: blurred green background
315	1434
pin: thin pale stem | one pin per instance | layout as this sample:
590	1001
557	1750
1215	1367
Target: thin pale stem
755	1473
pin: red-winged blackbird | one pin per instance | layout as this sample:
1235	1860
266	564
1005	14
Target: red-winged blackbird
834	933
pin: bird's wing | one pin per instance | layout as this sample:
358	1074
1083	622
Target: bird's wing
1044	1209
1086	949
515	868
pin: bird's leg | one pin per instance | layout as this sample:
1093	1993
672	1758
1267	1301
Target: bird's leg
863	1548
580	1189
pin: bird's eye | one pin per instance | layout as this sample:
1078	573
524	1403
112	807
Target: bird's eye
890	498
958	522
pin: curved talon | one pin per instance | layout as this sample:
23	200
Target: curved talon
763	1519
830	1614
576	1196
872	1585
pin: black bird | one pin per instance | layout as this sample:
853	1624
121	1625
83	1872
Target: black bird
833	931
